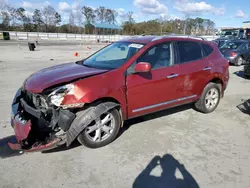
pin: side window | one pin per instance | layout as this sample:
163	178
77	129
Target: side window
158	56
207	49
189	51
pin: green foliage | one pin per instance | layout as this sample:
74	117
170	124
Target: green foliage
197	26
48	20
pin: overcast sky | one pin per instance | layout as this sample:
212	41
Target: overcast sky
222	12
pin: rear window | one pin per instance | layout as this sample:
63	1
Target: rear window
207	49
189	51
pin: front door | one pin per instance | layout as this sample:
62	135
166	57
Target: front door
148	92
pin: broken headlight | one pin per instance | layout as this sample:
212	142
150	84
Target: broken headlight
57	96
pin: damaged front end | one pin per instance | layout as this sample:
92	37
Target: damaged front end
40	121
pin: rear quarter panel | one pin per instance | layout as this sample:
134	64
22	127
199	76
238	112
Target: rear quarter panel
220	68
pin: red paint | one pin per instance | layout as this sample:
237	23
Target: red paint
142	67
136	90
58	74
21	130
52	144
15	146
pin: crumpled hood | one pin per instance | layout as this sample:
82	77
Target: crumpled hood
50	76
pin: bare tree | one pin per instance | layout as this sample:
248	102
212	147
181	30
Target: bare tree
79	18
13	14
110	16
71	21
49	19
89	14
5	19
3	5
130	17
37	19
101	13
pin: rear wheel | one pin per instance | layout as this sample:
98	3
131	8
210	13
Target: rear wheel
101	131
209	99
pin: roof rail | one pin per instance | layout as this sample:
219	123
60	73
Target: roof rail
188	36
177	35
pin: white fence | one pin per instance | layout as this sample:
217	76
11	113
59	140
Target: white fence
70	37
63	36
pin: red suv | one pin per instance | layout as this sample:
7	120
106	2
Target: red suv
90	99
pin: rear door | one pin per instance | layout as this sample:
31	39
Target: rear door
195	67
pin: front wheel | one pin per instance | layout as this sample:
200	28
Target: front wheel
209	99
101	131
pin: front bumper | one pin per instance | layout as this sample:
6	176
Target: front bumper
36	129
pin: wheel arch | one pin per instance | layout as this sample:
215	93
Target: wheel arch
218	80
110	99
120	108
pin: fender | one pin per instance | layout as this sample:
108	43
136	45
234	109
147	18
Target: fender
85	118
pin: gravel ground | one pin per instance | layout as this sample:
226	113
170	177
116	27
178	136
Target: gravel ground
186	146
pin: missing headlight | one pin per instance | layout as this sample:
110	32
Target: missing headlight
57	96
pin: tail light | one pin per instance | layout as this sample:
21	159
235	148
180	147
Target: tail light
232	54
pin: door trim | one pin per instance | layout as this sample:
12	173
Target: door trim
163	103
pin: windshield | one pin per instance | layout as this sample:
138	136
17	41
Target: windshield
231	45
113	56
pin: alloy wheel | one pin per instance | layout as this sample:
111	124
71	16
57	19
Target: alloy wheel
212	98
101	129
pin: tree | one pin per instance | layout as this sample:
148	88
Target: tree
89	14
37	19
130	17
129	24
199	24
101	13
79	18
13	14
58	18
71	21
49	18
110	16
21	15
5	20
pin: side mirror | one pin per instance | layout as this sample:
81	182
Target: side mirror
142	67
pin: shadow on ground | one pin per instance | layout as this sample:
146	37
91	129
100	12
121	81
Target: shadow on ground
63	147
5	150
167	178
155	115
240	74
245	107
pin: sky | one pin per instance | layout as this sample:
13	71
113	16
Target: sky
225	13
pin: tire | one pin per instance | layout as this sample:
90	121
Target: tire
85	139
201	104
239	61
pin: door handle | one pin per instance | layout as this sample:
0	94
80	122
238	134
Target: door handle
207	68
172	75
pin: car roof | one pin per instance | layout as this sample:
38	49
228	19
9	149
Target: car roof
148	39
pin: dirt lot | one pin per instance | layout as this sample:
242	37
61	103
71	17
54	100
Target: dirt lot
209	150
